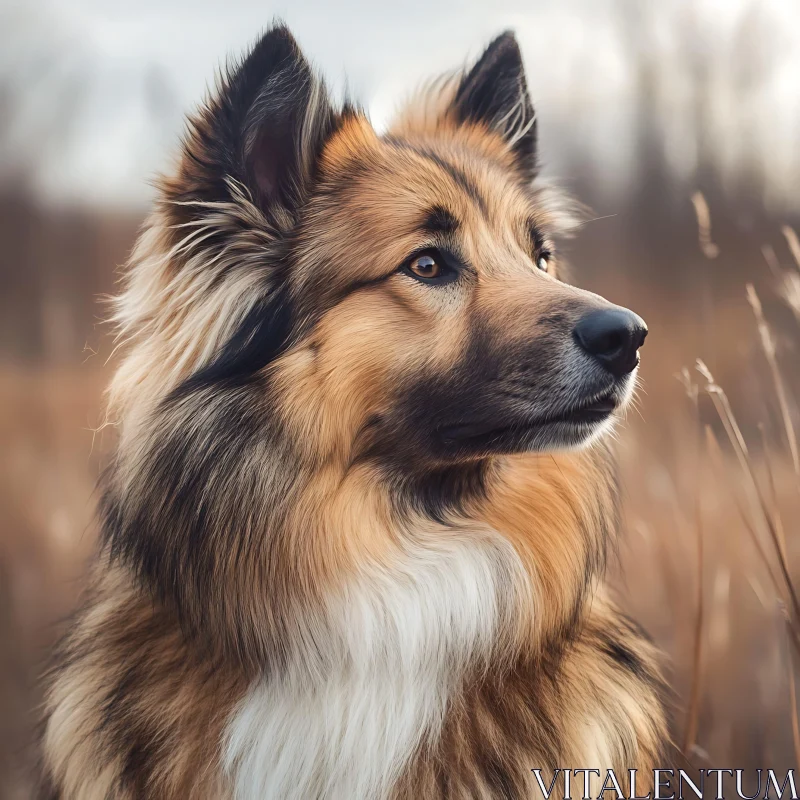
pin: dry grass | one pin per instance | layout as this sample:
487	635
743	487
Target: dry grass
712	500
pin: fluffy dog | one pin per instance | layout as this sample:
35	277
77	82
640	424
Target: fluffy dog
355	527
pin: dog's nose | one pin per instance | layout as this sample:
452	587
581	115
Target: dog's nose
613	336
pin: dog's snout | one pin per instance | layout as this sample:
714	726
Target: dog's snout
613	336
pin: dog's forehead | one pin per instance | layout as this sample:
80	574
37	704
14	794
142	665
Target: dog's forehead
389	185
370	209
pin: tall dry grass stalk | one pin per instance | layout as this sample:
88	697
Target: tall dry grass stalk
788	280
710	250
794	243
768	346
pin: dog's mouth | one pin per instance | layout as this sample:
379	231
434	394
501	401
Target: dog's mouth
583	416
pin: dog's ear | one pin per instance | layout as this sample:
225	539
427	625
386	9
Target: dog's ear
264	129
495	93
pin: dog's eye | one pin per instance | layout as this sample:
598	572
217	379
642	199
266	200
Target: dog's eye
544	261
429	267
425	266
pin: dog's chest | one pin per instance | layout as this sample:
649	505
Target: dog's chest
399	641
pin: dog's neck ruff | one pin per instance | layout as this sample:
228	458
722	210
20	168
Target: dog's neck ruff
399	639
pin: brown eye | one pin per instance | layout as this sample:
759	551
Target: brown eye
431	267
425	266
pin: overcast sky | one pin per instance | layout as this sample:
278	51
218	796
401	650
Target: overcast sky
98	88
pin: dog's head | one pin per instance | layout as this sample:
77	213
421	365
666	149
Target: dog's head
311	294
403	289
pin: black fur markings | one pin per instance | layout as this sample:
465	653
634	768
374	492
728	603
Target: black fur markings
194	512
439	220
440	494
622	655
485	399
458	175
536	237
263	335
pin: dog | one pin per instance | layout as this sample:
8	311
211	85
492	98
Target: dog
355	527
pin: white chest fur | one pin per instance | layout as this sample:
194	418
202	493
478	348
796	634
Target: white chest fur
400	637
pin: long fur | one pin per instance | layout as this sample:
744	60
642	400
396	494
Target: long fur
304	587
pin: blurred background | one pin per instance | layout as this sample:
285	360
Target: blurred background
677	122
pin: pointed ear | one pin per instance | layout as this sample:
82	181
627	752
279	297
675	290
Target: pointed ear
495	93
264	128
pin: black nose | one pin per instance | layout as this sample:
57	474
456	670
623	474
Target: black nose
613	336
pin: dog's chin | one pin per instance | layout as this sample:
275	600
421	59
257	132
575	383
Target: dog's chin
560	429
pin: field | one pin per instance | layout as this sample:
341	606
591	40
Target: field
710	528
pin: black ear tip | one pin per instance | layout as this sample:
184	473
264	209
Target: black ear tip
277	40
503	49
502	59
506	39
276	50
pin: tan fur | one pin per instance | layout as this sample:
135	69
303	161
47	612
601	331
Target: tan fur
166	699
614	722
